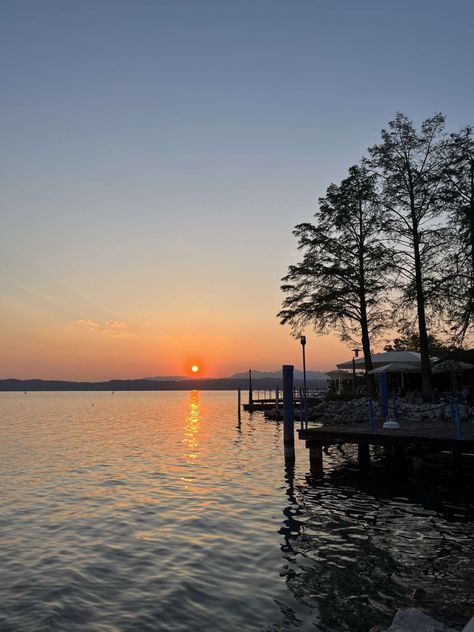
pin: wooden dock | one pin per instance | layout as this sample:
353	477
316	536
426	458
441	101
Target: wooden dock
413	438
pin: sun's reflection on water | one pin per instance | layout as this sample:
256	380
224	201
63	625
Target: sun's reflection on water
191	428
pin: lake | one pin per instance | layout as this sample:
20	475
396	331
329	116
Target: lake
157	511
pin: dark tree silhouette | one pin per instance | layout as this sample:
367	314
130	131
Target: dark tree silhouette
459	286
410	167
341	282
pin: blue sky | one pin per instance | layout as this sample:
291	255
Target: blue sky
156	155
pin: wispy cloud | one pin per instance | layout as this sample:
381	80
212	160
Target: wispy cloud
113	328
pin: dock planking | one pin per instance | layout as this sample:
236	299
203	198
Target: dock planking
415	437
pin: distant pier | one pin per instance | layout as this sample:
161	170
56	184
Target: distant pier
270	399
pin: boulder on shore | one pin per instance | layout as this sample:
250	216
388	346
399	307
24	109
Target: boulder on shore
415	620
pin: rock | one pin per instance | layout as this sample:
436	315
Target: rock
469	626
415	620
378	628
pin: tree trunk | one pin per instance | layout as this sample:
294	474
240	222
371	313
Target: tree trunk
366	348
426	384
364	326
471	230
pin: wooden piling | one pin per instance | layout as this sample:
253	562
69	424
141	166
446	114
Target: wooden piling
288	416
316	460
363	454
239	406
250	391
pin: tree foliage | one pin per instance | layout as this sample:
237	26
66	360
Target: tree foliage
410	170
458	289
341	282
399	231
409	340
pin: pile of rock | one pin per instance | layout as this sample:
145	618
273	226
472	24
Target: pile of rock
357	410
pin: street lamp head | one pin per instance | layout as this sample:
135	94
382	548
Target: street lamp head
356	352
303	340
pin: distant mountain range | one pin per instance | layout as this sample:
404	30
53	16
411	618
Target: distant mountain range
298	375
165	378
260	380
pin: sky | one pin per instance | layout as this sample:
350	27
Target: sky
156	155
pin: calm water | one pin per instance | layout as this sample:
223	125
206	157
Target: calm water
154	511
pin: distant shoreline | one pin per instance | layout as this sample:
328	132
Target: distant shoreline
212	384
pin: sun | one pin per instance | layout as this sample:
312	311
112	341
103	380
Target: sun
195	368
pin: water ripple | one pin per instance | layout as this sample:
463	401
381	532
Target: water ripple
154	511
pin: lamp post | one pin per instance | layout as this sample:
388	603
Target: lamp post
356	355
303	407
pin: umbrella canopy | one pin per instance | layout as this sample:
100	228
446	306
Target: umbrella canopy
388	357
397	367
452	366
339	375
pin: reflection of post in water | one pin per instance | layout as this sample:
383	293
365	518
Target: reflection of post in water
291	528
288	426
239	409
191	428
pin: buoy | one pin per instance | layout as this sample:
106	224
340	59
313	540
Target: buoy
391	423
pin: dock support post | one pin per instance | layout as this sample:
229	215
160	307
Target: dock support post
239	399
302	410
316	460
363	455
457	419
383	384
371	416
288	416
277	398
250	391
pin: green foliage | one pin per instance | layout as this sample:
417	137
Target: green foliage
344	262
341	282
410	170
392	245
458	286
409	340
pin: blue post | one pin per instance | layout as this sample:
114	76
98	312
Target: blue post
395	406
371	416
383	384
302	411
456	417
289	421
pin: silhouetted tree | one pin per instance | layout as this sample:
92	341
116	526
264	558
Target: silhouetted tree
459	282
341	282
410	167
409	340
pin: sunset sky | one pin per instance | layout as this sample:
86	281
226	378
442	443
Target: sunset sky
155	157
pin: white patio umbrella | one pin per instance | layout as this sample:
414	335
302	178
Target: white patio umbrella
388	357
452	366
397	367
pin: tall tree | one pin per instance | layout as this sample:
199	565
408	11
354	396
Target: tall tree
408	339
459	286
410	166
341	282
